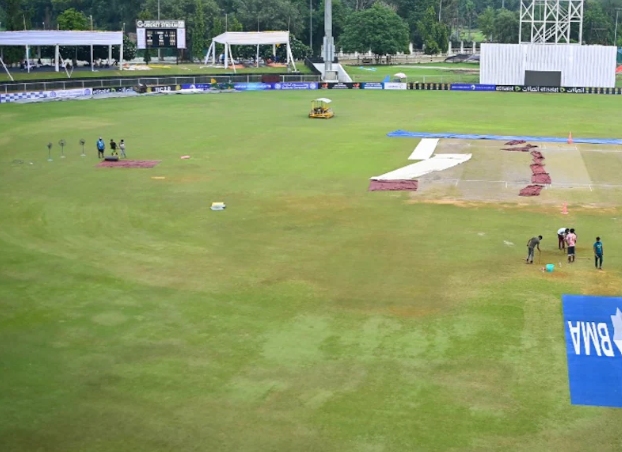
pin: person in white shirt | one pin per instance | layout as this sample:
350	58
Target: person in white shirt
561	238
122	148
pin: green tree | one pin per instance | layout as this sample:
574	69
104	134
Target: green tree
300	51
597	26
486	23
378	29
129	50
230	23
218	27
198	31
71	19
265	15
359	5
413	11
433	33
506	27
470	10
13	21
14	15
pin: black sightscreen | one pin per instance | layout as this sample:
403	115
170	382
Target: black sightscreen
543	78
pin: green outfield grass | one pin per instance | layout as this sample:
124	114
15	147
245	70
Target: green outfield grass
425	73
476	35
430	73
311	315
156	71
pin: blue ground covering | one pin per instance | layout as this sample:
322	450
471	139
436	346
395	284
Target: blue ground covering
457	136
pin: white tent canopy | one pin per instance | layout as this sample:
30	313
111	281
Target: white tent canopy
61	38
246	39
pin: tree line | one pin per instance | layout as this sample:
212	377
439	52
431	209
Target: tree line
385	27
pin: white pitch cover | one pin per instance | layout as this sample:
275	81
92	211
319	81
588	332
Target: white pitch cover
425	149
439	162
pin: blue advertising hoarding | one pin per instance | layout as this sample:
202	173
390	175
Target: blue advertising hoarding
253	86
284	86
296	86
372	85
472	87
593	327
202	86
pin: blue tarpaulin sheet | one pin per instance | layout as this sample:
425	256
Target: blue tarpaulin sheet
457	136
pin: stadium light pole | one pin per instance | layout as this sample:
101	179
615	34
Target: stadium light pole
615	35
311	26
159	50
92	62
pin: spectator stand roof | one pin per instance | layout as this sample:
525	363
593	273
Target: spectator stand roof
62	38
58	38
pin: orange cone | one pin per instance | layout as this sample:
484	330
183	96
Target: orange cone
570	138
565	209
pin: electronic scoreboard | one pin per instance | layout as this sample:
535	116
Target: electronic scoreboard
161	34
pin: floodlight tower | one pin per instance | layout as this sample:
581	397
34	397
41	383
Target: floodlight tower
550	21
329	42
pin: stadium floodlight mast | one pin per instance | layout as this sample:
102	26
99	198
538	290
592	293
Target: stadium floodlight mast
159	50
329	42
615	34
550	21
82	143
311	26
50	152
62	143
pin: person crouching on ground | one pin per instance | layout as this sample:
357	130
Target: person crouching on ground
532	244
561	238
122	148
113	148
599	252
571	240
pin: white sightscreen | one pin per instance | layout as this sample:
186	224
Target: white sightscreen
63	38
181	38
141	38
581	66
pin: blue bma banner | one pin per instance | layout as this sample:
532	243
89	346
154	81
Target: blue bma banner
472	87
372	85
296	86
201	86
253	86
593	327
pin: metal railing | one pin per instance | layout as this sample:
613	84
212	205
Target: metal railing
58	85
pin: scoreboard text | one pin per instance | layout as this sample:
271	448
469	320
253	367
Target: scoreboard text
161	39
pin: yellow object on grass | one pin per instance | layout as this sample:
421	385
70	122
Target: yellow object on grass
321	109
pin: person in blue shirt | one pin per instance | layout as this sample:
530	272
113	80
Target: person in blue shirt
598	253
101	147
